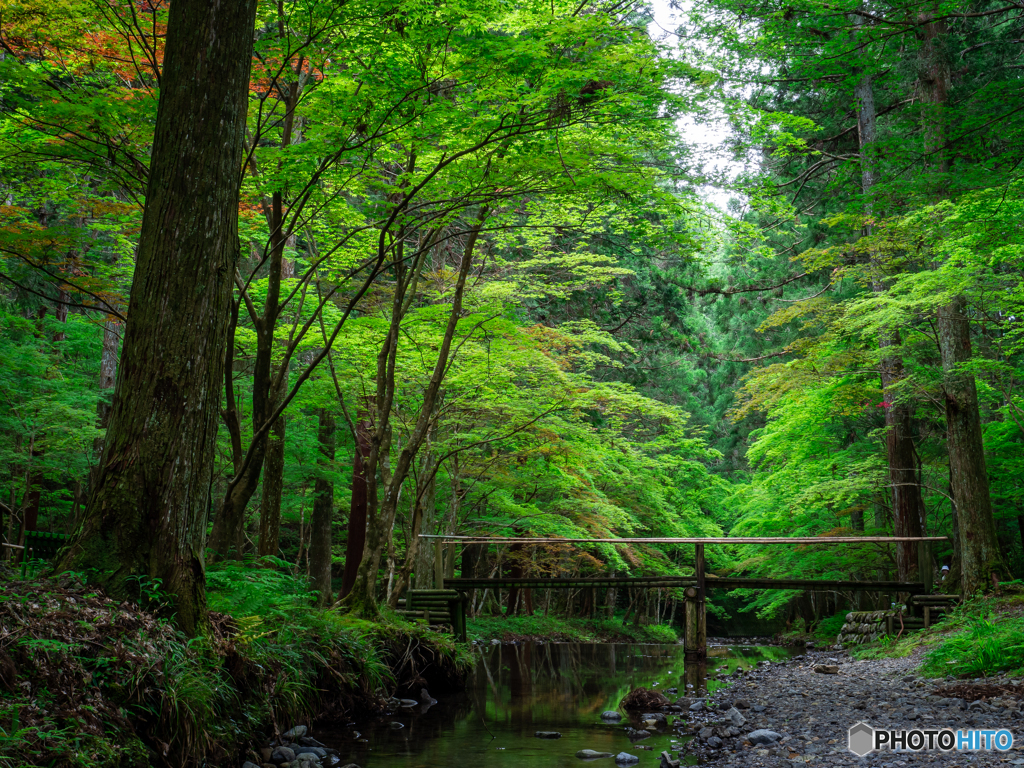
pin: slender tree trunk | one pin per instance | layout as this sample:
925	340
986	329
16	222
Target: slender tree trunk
273	463
147	515
363	597
357	509
273	489
320	533
418	558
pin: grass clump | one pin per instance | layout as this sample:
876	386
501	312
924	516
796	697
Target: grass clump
980	646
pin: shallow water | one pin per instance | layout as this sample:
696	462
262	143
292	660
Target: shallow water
516	690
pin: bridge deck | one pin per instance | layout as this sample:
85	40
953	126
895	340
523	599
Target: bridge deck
710	582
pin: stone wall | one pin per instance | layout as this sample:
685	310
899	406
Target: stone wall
863	627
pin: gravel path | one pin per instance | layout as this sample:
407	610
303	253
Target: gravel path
811	712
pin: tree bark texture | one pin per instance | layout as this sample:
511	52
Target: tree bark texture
147	515
980	558
320	523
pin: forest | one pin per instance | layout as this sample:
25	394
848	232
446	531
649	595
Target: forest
287	285
291	288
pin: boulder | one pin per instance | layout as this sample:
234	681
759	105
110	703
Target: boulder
295	733
697	706
590	754
248	764
763	736
611	715
547	735
715	743
735	717
657	717
624	758
282	755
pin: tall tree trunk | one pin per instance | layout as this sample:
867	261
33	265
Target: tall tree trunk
908	506
147	515
320	523
273	463
980	560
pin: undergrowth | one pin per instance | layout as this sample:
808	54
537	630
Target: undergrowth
984	636
576	629
86	681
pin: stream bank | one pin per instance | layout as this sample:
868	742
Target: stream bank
91	682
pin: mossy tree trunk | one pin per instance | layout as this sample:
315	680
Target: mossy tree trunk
147	515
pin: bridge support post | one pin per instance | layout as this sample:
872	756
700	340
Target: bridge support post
702	614
694	641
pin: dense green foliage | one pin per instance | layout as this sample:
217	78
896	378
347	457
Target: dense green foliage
473	237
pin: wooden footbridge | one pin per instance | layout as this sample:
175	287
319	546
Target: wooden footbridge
446	601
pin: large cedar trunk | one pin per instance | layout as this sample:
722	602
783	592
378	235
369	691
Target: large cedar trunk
147	515
908	506
980	558
323	513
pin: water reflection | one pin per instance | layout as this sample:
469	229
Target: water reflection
516	690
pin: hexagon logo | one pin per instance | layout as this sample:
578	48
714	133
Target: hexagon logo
861	739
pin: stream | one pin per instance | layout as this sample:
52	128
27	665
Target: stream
516	690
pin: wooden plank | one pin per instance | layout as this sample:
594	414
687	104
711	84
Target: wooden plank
685	581
720	540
